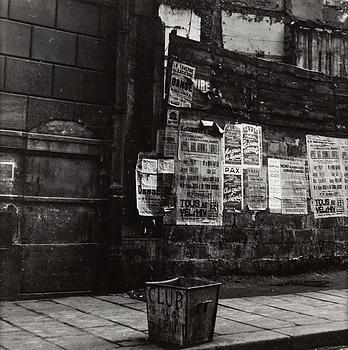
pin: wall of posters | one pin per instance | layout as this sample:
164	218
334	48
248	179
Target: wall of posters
243	145
255	181
181	85
326	174
293	186
148	191
198	177
233	188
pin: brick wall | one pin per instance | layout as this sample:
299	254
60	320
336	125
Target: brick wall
57	61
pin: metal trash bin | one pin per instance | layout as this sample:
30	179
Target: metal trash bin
181	312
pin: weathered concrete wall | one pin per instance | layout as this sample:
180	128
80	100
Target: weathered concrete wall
288	103
253	34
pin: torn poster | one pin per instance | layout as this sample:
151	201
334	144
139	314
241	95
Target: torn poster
274	186
293	186
233	144
181	85
326	176
252	145
233	189
148	193
255	188
198	178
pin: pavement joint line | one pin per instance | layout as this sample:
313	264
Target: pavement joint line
273	318
123	305
33	334
333	295
323	300
67	324
248	324
280	308
104	318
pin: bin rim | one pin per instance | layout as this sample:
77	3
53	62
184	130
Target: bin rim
165	283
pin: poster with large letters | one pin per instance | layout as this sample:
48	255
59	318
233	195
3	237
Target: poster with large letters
198	176
327	172
181	85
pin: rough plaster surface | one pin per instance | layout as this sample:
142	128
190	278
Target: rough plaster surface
252	34
185	22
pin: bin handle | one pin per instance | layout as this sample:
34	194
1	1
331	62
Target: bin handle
206	302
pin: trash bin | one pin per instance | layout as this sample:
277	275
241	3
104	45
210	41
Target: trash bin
181	312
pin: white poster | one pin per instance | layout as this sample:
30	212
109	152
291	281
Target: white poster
293	186
181	85
256	188
326	174
198	178
147	191
274	186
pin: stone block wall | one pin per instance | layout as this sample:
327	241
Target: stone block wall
57	61
289	103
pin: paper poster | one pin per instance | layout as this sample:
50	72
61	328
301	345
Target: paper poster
166	166
233	144
243	145
326	171
171	133
181	85
344	160
233	189
198	178
251	145
255	181
147	190
274	186
293	186
149	166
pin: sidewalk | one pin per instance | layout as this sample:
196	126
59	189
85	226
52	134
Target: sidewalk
290	321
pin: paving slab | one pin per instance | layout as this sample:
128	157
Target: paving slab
25	340
325	297
83	342
282	322
117	333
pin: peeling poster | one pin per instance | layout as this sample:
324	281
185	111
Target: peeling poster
181	85
198	178
148	193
